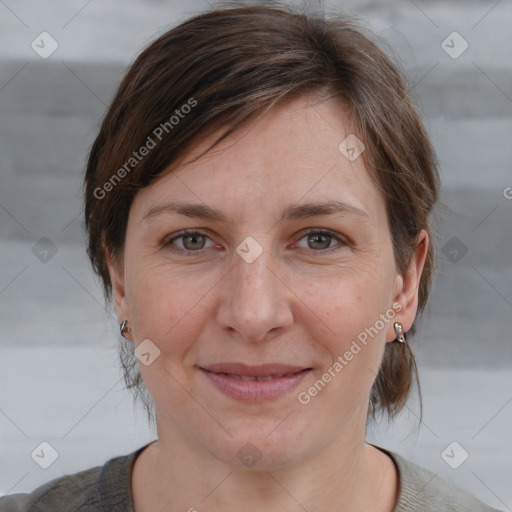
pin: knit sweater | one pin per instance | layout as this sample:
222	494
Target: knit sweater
108	488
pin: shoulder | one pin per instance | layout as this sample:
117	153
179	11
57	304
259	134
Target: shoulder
78	491
422	490
106	487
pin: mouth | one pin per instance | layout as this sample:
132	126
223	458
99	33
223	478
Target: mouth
254	383
258	379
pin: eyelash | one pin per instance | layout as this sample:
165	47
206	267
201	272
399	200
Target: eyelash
182	234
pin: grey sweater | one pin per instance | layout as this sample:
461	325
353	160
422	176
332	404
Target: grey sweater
107	488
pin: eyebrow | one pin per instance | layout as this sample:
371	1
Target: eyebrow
291	212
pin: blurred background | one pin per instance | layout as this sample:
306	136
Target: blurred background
60	383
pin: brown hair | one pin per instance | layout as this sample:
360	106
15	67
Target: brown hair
220	69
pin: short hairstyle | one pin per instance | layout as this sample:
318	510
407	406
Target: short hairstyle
220	69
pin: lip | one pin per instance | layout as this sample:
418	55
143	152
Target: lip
238	380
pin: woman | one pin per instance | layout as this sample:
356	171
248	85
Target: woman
258	204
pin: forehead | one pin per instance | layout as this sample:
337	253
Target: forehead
290	154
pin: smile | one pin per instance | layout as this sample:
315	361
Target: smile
254	384
259	379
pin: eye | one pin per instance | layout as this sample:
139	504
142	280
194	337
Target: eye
192	241
320	240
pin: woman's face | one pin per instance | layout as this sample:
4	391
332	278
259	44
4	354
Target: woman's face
257	291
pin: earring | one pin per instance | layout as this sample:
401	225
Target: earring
124	328
400	335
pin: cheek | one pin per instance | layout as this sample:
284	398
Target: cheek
167	306
352	332
349	302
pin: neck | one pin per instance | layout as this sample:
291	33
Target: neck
347	475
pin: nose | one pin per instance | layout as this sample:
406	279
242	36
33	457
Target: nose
257	301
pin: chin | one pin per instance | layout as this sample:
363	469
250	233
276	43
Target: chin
258	445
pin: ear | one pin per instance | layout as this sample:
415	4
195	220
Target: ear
116	271
407	288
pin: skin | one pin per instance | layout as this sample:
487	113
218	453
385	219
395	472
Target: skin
302	301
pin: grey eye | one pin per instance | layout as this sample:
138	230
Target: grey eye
193	241
322	240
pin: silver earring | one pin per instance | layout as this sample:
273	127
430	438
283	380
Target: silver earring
124	328
400	336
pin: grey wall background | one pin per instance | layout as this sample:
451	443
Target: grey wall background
60	381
